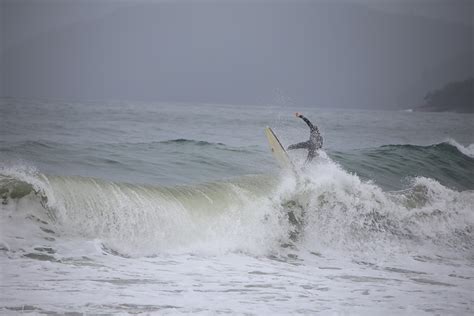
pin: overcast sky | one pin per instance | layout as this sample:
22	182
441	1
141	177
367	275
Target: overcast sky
351	53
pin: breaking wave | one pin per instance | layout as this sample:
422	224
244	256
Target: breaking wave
322	207
466	150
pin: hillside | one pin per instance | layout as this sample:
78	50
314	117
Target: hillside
454	97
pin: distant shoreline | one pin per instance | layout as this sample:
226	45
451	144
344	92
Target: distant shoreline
455	97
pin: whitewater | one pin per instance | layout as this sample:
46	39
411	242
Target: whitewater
160	208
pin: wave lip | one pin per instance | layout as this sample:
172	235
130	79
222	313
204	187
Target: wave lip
466	150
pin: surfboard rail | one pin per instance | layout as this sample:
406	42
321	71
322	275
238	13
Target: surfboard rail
277	149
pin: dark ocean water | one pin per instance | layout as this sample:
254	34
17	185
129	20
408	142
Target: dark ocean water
177	208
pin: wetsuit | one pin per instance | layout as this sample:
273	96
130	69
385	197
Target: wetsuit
314	143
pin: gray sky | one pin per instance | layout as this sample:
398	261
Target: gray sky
350	53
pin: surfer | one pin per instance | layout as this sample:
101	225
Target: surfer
314	143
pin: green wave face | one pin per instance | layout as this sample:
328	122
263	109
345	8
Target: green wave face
390	164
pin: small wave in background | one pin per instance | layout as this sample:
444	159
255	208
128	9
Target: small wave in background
449	163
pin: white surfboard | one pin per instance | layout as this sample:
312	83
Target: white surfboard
278	151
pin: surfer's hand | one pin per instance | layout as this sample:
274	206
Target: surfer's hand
297	114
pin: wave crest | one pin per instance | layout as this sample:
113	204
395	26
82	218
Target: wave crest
389	164
324	207
466	150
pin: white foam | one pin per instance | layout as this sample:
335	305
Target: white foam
466	150
343	212
340	212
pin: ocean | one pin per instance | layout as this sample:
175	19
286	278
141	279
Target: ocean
165	208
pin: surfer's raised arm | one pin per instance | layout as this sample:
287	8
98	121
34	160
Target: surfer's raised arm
301	116
299	145
314	143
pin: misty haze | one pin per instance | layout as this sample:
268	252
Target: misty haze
315	53
236	157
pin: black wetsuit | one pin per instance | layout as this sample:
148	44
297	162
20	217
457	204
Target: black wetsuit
314	143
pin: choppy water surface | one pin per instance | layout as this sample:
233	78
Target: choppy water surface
172	208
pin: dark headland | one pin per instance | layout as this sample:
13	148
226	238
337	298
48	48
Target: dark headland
456	96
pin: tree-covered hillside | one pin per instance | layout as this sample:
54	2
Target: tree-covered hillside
454	97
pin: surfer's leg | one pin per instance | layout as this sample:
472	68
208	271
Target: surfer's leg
311	155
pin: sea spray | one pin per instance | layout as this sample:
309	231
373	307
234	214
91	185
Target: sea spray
352	215
334	209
